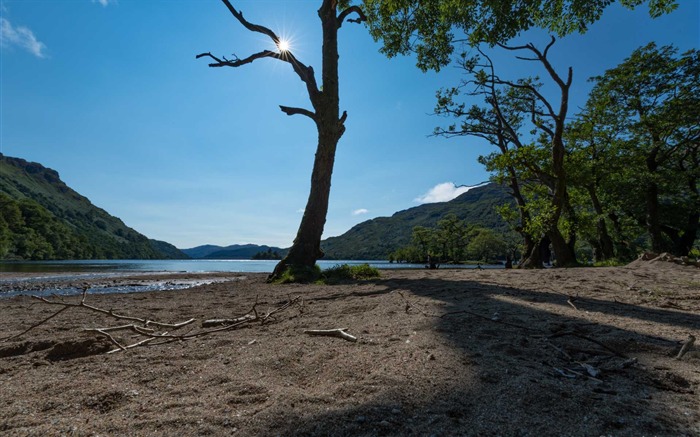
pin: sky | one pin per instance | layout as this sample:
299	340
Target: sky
109	94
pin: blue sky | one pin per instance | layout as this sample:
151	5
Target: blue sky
109	94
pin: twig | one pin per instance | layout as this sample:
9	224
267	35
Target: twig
109	336
410	306
339	332
686	347
111	313
38	324
592	340
218	322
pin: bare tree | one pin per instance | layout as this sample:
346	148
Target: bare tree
325	114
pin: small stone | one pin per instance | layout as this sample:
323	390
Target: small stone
395	411
361	419
384	424
431	357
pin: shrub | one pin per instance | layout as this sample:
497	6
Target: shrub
345	272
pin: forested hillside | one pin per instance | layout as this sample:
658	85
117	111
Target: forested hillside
41	218
377	238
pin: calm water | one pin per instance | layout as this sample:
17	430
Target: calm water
64	271
243	266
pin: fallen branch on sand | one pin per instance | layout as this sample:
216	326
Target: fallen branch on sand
686	347
339	332
150	328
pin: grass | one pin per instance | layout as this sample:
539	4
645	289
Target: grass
334	275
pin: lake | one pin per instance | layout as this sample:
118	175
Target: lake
190	265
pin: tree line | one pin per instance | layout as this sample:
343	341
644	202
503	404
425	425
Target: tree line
618	177
615	178
454	241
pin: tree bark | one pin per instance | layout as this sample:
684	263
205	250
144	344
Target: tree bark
306	249
604	246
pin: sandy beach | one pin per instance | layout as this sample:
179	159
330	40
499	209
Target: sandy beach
576	352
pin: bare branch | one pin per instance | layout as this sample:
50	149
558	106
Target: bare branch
238	62
250	26
352	9
305	73
37	324
301	111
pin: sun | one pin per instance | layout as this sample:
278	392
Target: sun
283	45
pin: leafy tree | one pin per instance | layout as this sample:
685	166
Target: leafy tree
528	130
428	27
651	102
487	246
330	125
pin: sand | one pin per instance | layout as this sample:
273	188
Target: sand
576	352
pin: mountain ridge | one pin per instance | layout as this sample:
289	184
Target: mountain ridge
42	218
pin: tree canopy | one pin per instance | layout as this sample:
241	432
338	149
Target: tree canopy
431	27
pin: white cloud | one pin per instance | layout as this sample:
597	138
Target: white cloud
442	193
20	37
104	2
360	211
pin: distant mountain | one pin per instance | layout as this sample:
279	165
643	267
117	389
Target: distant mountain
42	218
235	251
376	238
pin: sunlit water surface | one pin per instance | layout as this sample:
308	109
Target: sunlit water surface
43	271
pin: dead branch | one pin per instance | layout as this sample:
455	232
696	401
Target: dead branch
142	327
219	322
38	324
570	301
686	347
111	313
592	340
338	332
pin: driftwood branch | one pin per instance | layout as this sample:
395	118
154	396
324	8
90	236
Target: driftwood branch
338	332
37	324
150	329
111	313
686	347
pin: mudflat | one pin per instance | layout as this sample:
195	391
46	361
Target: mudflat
576	352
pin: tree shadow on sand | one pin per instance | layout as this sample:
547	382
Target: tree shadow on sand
483	359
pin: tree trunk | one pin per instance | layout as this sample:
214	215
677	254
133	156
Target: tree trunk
533	258
306	249
652	219
605	248
566	257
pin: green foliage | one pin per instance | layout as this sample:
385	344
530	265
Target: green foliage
345	272
453	241
376	238
334	275
637	146
487	246
41	218
296	274
428	27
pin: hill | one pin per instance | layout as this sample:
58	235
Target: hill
41	218
376	238
235	251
